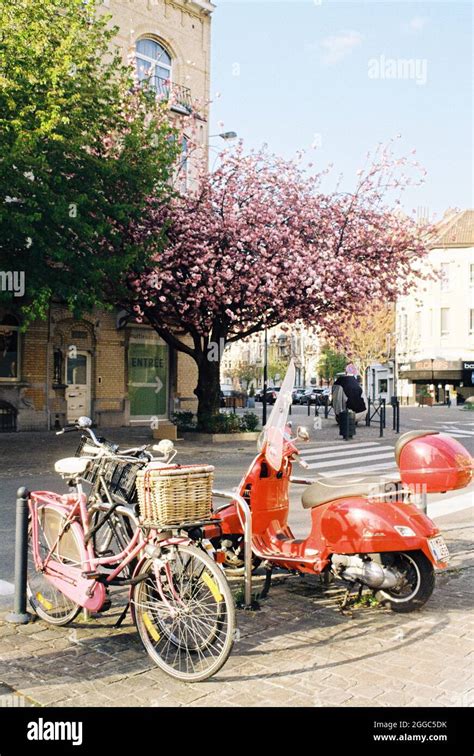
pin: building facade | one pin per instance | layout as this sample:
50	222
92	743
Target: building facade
116	371
435	325
284	342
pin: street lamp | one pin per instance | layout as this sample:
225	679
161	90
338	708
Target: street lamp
393	359
265	379
227	136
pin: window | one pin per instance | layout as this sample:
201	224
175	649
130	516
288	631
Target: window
444	276
9	349
418	325
383	385
183	166
444	321
471	322
154	65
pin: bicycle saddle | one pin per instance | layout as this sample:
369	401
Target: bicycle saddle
72	466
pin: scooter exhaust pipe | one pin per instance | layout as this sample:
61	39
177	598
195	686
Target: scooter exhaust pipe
355	569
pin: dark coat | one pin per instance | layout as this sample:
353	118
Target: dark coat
353	392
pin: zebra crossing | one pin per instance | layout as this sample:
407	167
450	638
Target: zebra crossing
455	429
360	457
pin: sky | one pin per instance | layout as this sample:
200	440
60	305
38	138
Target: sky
336	78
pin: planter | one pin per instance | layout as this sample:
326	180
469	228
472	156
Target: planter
218	438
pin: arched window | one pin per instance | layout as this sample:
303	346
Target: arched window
9	349
153	64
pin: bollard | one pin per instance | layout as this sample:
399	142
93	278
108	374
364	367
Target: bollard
397	429
309	407
381	422
19	615
316	410
326	407
367	417
291	405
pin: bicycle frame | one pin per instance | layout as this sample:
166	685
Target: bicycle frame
82	583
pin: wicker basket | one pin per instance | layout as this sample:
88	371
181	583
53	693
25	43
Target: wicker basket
175	495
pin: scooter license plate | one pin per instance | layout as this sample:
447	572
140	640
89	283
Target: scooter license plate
439	549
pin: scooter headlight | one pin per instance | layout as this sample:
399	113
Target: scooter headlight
404	531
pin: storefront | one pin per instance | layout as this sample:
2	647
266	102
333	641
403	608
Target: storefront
435	380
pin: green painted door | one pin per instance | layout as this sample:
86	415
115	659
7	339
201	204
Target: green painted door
147	379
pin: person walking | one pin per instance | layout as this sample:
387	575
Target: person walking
347	393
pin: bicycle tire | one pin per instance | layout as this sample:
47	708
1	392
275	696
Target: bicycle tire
194	643
47	601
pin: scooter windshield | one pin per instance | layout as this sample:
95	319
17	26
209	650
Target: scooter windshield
274	430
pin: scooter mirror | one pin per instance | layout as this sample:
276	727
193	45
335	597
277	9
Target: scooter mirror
302	433
84	422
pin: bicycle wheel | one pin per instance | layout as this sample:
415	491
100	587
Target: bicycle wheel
184	613
49	602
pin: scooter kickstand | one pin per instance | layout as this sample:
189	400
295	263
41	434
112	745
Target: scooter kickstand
268	580
344	608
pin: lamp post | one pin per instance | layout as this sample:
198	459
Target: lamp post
394	362
227	136
265	378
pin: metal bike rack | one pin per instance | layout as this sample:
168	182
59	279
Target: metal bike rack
247	523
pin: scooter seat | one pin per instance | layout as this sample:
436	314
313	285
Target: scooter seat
409	436
323	491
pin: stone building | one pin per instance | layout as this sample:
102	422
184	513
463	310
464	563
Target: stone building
115	371
284	342
435	325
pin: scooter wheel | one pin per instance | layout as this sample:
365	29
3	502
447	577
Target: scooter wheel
418	581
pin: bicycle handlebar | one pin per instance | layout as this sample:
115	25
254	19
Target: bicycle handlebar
125	454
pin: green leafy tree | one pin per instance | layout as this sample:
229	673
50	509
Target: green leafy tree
331	363
83	153
246	372
277	368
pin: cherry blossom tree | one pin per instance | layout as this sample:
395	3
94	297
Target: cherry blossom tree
258	243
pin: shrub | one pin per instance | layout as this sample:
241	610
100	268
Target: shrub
184	419
249	421
223	423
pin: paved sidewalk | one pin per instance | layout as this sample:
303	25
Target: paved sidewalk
298	650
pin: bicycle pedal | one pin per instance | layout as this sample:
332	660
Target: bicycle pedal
92	575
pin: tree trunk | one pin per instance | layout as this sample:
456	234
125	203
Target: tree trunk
208	391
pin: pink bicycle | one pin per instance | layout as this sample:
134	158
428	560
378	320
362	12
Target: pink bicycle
179	597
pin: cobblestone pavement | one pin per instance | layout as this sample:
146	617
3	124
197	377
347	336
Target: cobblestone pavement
297	650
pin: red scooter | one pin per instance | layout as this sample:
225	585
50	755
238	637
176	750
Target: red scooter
366	531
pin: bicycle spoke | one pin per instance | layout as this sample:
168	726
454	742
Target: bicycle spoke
186	614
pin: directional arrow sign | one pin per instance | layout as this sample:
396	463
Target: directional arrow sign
159	384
